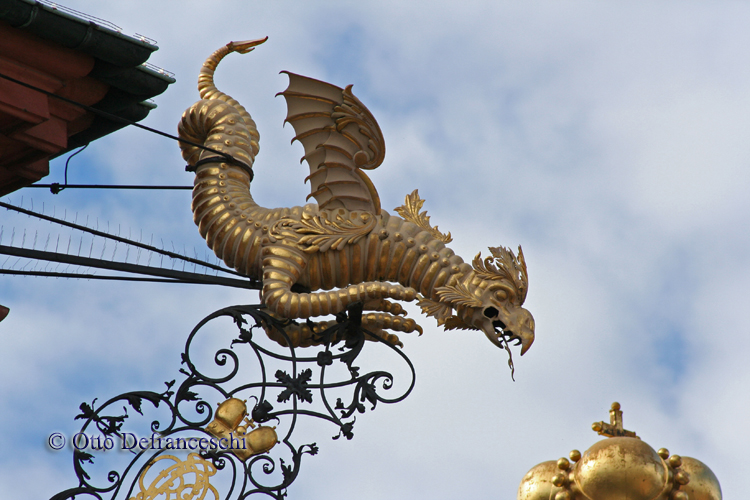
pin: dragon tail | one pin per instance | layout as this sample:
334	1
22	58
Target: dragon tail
208	91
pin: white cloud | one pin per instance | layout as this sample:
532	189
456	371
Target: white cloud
608	139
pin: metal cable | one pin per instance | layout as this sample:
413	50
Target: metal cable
56	187
173	255
229	158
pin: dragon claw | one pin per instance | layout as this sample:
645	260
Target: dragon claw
389	338
385	306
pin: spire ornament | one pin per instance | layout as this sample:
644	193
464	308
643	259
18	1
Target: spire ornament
620	467
614	428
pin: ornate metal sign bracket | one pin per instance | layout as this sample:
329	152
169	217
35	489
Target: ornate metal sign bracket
237	449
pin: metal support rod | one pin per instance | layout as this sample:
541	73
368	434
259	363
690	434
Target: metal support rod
127	241
181	276
104	186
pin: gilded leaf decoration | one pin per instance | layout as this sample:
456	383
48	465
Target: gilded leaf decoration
486	269
456	323
410	211
436	309
317	233
458	295
504	266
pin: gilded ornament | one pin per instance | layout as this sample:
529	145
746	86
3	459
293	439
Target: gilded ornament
681	477
410	211
459	295
537	483
319	234
614	428
344	249
703	484
226	426
186	479
621	467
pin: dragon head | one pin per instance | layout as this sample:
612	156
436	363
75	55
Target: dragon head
489	299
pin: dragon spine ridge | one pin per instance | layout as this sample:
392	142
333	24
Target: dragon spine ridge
345	249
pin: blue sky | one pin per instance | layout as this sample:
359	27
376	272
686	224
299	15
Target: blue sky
607	138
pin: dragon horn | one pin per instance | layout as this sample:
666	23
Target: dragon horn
207	89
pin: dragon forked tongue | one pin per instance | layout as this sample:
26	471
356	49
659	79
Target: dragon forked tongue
504	343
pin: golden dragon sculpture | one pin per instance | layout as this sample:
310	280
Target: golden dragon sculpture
344	249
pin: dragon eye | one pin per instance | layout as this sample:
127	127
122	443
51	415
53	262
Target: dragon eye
490	312
501	294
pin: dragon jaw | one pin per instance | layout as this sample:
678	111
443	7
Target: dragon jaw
502	327
502	320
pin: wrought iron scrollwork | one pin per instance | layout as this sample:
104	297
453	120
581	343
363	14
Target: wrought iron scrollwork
300	386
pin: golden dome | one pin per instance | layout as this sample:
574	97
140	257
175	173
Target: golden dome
621	467
703	484
537	483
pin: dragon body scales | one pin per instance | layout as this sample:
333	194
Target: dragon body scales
344	249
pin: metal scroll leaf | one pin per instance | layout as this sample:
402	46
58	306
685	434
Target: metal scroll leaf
410	211
295	386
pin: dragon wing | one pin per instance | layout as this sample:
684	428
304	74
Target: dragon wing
341	140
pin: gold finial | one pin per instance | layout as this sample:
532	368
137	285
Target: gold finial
620	467
614	428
